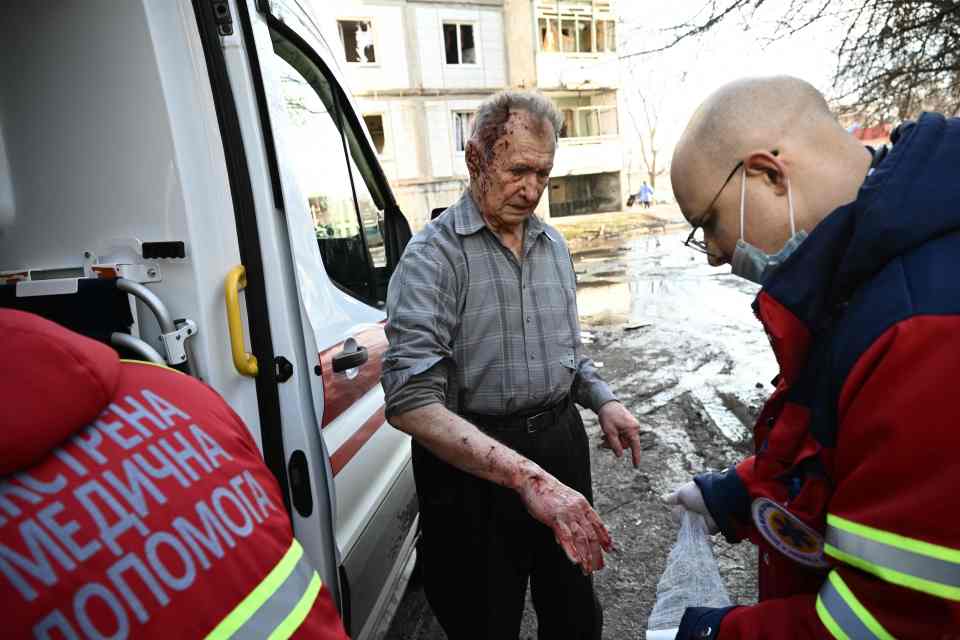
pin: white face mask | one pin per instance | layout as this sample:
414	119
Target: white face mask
751	263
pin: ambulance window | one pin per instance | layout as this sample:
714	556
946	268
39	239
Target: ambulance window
346	216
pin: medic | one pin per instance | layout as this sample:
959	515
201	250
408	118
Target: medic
852	494
135	504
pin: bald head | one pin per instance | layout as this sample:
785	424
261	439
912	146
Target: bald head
781	130
748	114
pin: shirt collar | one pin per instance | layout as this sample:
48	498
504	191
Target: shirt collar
468	220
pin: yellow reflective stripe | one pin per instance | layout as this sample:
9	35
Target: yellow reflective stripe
861	612
293	621
255	599
829	622
894	540
895	577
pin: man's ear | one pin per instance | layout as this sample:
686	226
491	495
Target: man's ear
771	167
474	159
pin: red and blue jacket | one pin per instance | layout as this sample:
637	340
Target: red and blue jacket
858	449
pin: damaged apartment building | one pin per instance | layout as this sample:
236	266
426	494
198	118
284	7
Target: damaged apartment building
420	68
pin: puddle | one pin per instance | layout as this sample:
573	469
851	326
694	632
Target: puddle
608	274
595	283
673	297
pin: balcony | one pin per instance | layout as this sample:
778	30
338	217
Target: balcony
595	154
577	71
577	43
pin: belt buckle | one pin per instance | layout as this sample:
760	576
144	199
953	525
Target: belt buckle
539	421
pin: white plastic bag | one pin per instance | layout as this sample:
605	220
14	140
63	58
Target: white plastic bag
690	579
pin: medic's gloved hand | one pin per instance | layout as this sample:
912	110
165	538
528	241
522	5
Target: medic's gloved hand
688	497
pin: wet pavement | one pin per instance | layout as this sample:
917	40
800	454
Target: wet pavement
655	291
678	342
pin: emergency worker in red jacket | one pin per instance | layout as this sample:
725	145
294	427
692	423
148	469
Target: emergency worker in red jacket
135	504
853	494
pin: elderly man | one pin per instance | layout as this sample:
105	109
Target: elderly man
483	370
852	494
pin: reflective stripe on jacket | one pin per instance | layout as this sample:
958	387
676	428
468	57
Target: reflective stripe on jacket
135	504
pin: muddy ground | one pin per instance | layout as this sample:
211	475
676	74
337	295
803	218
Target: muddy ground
679	345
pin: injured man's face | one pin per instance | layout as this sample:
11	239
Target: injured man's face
508	181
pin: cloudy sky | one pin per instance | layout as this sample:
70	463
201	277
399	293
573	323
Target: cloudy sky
678	79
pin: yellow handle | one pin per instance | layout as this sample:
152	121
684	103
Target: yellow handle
245	363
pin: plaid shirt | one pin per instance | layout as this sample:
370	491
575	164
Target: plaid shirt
474	328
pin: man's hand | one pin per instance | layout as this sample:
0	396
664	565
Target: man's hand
620	430
688	497
576	526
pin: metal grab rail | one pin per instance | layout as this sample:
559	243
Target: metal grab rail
137	346
150	299
168	328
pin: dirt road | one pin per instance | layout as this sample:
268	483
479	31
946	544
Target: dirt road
679	344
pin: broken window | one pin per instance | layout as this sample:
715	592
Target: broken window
568	40
606	35
586	121
549	34
576	26
607	121
374	124
584	35
580	194
568	129
357	39
458	44
462	127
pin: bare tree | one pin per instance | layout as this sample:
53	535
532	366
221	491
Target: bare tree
649	148
646	97
895	58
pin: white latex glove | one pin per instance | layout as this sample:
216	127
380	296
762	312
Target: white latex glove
687	497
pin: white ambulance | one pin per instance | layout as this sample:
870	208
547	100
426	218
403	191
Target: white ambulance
189	180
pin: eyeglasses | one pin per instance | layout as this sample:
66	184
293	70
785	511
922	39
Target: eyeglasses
701	245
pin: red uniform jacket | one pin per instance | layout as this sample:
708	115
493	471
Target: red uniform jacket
135	504
860	442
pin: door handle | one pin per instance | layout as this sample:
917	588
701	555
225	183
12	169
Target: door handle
245	363
350	358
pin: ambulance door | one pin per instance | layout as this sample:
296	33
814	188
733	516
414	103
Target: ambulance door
347	235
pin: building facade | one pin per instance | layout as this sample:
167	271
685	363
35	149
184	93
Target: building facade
420	68
568	50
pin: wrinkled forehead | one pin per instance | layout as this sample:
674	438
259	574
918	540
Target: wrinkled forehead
526	139
523	120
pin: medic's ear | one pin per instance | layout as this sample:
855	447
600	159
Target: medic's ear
771	167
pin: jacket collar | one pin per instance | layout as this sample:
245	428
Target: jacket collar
805	295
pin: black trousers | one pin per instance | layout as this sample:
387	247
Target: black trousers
479	548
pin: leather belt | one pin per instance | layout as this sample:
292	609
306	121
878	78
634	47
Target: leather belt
534	422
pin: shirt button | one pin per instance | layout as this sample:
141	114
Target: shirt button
528	319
